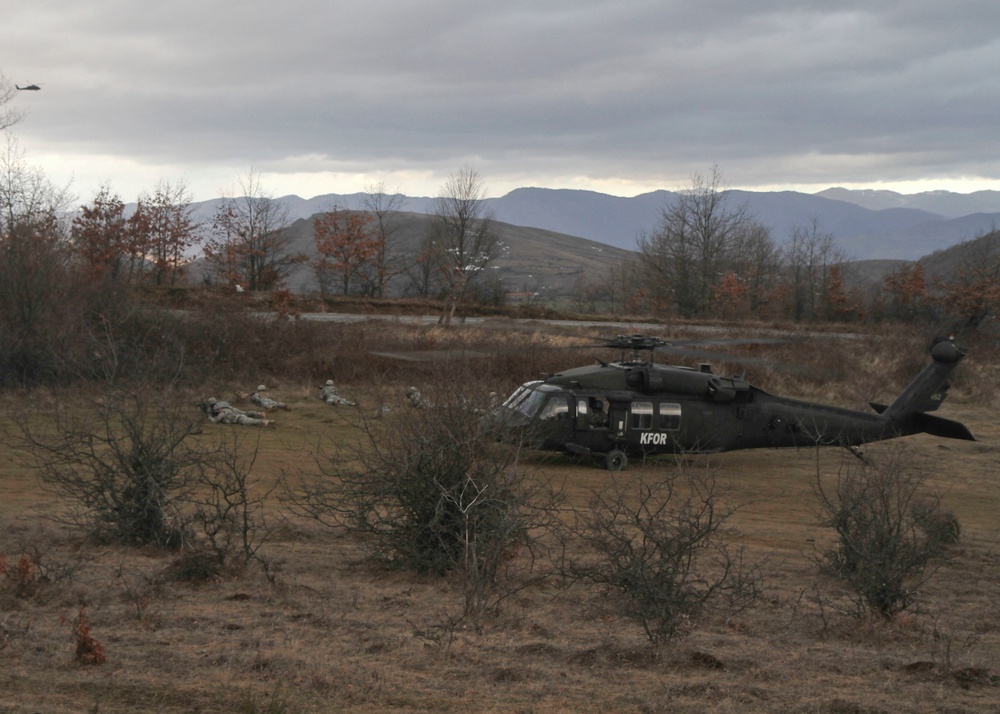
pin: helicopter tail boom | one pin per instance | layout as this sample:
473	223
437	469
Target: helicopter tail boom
925	393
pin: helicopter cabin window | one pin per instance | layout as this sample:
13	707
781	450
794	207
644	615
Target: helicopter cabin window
557	406
598	408
641	415
670	416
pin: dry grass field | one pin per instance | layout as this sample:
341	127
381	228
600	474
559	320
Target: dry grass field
330	634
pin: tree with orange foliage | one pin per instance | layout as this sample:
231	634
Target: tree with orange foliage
163	220
730	296
103	237
906	291
839	307
345	246
974	294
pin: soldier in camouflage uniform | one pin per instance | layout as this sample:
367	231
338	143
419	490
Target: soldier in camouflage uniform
329	394
226	413
417	400
264	401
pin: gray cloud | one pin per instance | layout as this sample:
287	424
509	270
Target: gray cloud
774	92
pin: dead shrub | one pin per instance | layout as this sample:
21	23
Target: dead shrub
432	491
88	649
657	550
228	506
888	531
23	576
131	472
121	462
196	567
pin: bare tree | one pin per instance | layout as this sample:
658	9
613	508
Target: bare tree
35	268
384	208
424	278
757	262
228	506
808	257
698	233
250	243
134	469
8	115
463	229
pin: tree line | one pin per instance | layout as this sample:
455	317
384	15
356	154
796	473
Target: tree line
247	244
708	258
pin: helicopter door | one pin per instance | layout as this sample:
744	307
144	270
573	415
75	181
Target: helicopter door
618	419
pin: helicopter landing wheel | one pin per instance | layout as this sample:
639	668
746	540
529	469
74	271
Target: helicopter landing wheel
616	460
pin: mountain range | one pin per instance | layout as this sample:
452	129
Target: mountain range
866	224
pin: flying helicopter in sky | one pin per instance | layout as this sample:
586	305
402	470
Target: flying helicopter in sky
29	88
636	407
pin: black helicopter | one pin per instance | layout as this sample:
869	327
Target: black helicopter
29	88
636	407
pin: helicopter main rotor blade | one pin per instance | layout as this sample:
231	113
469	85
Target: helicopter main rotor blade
433	355
737	341
646	342
781	365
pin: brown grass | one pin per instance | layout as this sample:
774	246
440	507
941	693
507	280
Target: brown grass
332	635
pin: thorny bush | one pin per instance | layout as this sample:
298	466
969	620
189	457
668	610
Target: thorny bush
132	470
432	491
888	528
121	462
657	550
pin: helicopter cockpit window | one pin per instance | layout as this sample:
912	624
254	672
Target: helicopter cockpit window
670	416
556	407
534	397
519	394
641	415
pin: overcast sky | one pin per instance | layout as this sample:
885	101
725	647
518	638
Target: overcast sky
617	96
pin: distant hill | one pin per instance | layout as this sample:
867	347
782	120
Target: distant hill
551	263
946	204
944	263
883	230
941	264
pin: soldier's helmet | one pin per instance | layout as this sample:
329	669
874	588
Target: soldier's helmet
329	383
261	388
212	400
